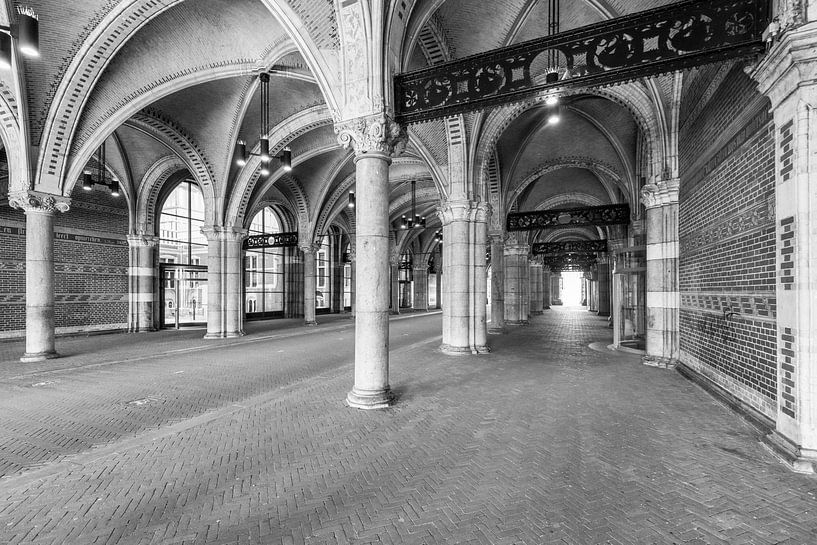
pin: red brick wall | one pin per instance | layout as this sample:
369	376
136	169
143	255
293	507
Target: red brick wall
727	236
90	265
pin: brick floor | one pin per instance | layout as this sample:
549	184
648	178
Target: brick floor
545	440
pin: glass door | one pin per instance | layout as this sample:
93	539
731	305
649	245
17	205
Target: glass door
184	296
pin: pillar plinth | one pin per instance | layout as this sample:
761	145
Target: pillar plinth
39	209
310	252
142	283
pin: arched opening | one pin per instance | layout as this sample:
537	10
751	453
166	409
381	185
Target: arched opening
265	271
183	257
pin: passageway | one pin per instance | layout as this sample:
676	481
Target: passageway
544	439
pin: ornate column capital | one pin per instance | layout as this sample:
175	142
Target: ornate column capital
228	234
142	240
372	134
661	193
40	203
463	210
497	238
517	249
789	65
309	248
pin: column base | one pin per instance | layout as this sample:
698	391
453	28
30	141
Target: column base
537	313
394	313
546	307
799	460
211	336
517	322
496	331
455	350
604	314
310	323
31	357
482	350
370	399
234	334
659	361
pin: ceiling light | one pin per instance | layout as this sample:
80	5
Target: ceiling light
28	33
5	52
351	199
264	143
114	189
240	153
552	100
286	158
87	181
264	171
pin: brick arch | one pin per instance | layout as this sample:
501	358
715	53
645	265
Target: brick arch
280	136
98	44
281	206
602	170
148	195
328	212
10	133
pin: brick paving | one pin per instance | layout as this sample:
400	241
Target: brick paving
545	440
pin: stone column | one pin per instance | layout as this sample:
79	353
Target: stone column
556	288
479	280
232	285
420	273
374	138
39	209
536	305
352	277
787	76
215	310
604	287
663	295
394	278
593	292
455	217
546	288
142	282
497	283
310	252
438	285
517	284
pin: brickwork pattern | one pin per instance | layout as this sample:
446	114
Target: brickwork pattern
787	253
788	374
549	442
728	242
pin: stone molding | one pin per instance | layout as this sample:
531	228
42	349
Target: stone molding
309	248
517	249
229	234
42	203
788	65
377	134
662	193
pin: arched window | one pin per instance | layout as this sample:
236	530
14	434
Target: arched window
183	257
347	276
180	223
264	270
323	282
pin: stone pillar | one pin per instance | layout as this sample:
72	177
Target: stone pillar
142	282
546	288
232	285
215	311
497	283
536	305
663	295
788	76
39	209
225	309
309	252
556	288
517	284
455	216
420	274
352	277
375	138
479	279
593	292
604	287
438	285
394	282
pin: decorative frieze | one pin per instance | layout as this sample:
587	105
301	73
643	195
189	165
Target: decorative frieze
731	226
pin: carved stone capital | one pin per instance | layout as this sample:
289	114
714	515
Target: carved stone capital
39	203
497	238
377	134
141	240
789	66
662	193
517	249
229	234
313	248
463	210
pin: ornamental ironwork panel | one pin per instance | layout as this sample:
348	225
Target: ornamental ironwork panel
274	240
643	44
570	262
613	214
569	247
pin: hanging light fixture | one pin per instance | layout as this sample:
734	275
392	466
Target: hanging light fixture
351	200
88	180
554	13
26	30
414	219
241	154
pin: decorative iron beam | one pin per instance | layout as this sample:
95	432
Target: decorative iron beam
570	262
274	240
613	214
648	43
549	249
